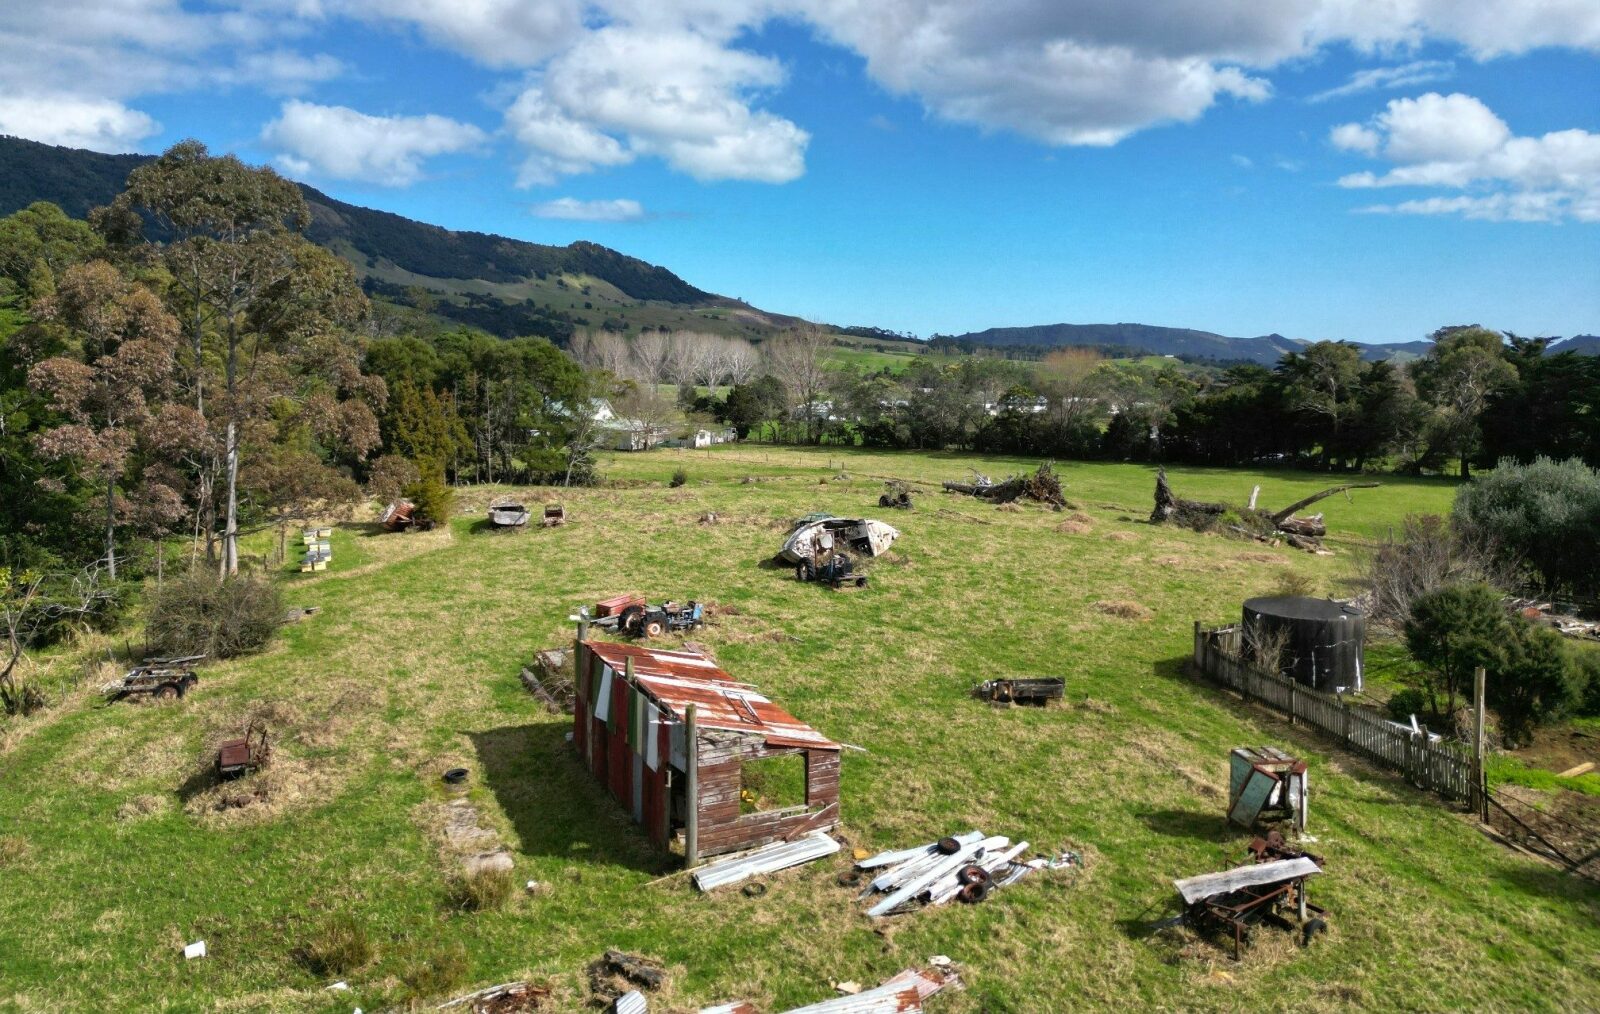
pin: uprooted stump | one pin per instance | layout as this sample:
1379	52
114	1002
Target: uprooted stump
615	973
1043	486
1250	521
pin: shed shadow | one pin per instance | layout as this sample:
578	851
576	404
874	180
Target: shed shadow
1208	826
557	808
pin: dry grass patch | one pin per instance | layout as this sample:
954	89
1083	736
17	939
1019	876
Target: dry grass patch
1123	537
287	783
1262	558
1070	527
140	807
1124	609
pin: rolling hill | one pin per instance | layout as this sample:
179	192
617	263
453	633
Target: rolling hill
505	286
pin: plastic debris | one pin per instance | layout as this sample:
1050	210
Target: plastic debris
195	950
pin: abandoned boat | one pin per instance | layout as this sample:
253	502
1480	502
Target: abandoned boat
508	515
821	533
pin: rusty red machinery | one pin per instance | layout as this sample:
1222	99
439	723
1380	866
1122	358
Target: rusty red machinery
1235	901
1266	784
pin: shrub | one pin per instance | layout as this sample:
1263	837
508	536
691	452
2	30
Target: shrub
1296	585
434	499
679	477
1405	703
337	946
1530	680
199	615
1428	555
1530	676
482	890
1543	516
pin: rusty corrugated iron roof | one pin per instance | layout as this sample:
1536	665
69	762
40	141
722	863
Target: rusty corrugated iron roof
676	679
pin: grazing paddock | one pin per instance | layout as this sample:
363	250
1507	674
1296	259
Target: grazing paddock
116	848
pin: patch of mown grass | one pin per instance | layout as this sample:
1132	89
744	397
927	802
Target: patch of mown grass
410	667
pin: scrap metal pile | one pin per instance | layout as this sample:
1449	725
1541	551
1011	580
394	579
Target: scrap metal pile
965	867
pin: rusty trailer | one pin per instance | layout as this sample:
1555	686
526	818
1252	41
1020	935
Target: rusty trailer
1234	901
165	679
554	514
671	736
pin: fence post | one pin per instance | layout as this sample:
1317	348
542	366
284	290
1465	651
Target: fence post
1294	702
691	763
1480	783
1198	660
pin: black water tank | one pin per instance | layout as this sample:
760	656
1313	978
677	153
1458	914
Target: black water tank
1321	638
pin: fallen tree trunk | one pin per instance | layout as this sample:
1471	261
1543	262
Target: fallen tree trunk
1288	512
1168	505
1302	533
1042	486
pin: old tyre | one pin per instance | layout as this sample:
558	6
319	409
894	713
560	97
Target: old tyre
1311	930
654	627
804	571
948	846
974	893
755	890
884	501
632	621
168	692
973	874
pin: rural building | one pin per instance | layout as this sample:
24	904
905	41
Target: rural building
629	727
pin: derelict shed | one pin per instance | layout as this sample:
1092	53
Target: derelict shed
1321	639
630	727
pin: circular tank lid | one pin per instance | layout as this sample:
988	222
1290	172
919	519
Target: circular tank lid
1299	607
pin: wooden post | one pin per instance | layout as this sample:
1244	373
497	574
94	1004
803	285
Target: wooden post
691	764
1293	702
1480	784
1199	661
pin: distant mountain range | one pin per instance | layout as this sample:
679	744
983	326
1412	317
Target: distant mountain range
505	286
512	287
1194	345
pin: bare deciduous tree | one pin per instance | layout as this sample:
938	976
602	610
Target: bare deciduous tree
795	357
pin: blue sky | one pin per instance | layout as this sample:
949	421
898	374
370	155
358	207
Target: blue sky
1321	169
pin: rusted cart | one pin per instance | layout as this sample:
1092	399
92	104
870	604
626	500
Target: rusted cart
1234	901
165	679
554	514
250	752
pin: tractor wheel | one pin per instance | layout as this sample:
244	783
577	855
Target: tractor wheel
885	501
804	571
167	692
972	873
974	892
632	621
654	626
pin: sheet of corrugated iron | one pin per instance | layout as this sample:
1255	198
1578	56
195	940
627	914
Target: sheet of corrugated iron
902	994
740	1007
767	859
1206	885
676	679
631	1002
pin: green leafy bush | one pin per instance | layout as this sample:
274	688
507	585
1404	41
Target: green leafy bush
434	499
199	615
1406	703
680	476
1543	516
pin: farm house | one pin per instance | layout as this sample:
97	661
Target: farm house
631	727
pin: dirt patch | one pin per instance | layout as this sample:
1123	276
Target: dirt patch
1122	537
1261	558
140	807
1124	609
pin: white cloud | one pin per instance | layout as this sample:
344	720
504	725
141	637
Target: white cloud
345	144
618	210
498	33
283	71
1355	137
623	92
101	125
1455	142
1418	72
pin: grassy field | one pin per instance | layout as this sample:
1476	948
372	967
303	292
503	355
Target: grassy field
113	852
